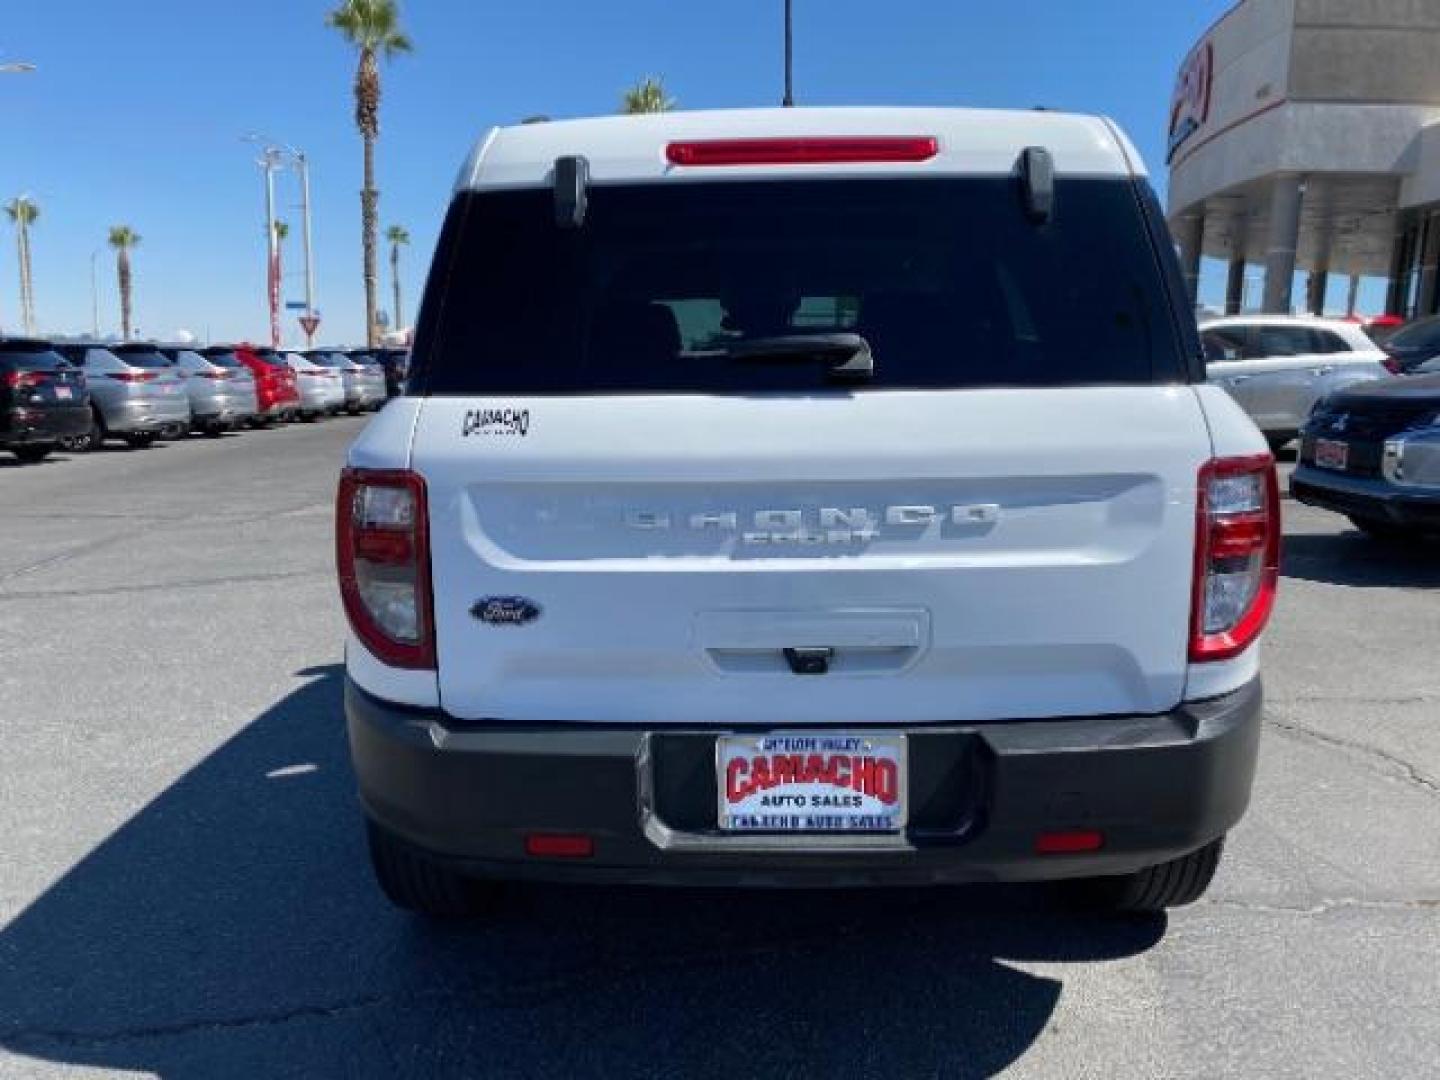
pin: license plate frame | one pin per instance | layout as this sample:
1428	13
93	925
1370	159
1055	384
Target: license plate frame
1332	454
858	786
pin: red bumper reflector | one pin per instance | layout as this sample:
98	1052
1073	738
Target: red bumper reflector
1068	843
802	151
559	846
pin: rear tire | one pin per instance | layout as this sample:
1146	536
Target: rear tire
1156	888
140	440
1383	530
416	883
33	454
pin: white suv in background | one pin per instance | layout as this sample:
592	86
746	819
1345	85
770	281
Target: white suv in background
805	496
1278	366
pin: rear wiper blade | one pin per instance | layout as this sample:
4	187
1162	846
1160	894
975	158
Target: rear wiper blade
849	354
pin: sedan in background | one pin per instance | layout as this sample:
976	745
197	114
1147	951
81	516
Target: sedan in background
43	399
221	389
364	384
277	395
1277	367
134	393
322	393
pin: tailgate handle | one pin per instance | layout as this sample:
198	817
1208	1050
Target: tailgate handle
809	661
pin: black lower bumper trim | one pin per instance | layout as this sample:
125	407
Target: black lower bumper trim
1374	500
1157	787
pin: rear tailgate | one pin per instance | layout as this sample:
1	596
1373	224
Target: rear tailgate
967	555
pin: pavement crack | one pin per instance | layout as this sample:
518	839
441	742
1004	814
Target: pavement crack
1323	906
82	1037
189	583
1398	768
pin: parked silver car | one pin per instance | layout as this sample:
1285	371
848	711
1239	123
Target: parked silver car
321	391
220	388
134	392
1276	366
364	383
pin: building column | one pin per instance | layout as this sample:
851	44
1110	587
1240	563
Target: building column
1353	296
1316	286
1284	240
1235	286
1190	236
1399	272
1429	266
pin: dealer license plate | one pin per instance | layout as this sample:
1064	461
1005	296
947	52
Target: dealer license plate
804	782
63	393
1331	453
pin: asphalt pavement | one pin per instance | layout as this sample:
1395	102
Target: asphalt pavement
184	890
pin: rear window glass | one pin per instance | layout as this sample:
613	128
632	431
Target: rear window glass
946	280
1424	334
142	358
28	359
223	359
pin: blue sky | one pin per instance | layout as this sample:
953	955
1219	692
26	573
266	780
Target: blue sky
135	112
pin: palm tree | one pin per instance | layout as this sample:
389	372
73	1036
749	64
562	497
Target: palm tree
373	27
397	237
122	239
647	96
23	211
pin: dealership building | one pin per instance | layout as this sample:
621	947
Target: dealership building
1304	143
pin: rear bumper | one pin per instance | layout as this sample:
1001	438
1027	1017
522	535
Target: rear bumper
143	416
1366	497
222	408
30	426
1156	786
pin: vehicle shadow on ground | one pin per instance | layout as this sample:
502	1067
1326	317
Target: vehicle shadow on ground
231	929
1354	559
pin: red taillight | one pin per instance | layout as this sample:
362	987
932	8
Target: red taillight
17	379
559	845
131	376
1237	555
1070	842
824	151
383	552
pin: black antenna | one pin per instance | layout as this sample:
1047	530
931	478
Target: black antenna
789	101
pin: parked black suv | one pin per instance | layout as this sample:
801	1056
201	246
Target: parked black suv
1372	453
42	399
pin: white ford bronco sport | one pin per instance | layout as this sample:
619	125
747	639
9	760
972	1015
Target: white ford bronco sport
805	496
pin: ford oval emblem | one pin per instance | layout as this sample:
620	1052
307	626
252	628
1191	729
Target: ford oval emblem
505	610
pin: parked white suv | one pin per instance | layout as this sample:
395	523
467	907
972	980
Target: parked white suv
1277	367
805	496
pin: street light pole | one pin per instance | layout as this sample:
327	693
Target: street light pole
274	150
304	164
789	56
268	162
94	296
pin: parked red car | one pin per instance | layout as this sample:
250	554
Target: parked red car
276	392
